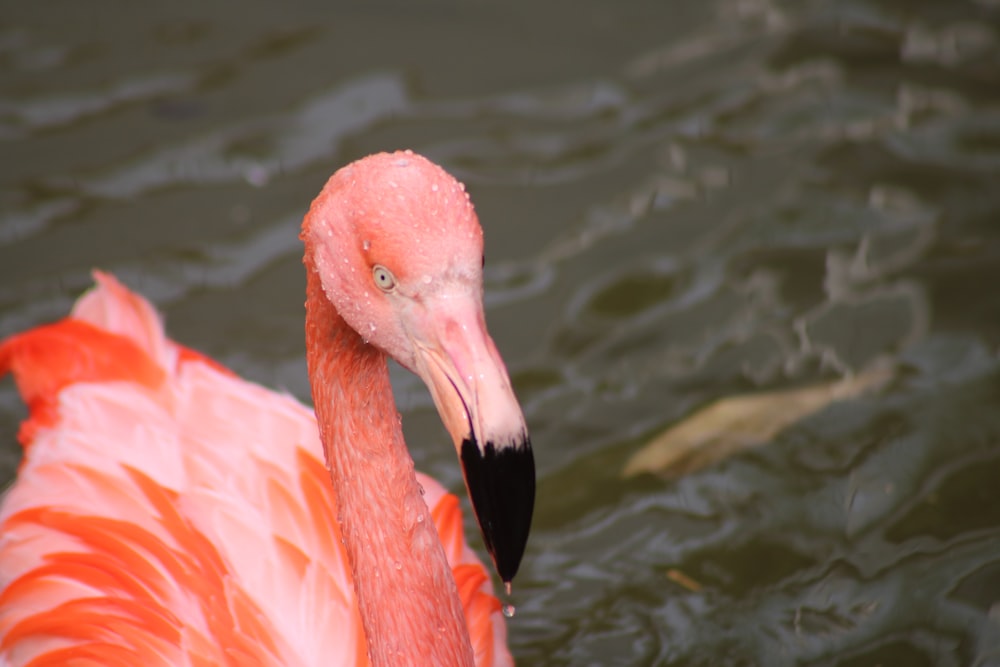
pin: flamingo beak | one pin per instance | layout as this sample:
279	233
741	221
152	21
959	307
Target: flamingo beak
461	366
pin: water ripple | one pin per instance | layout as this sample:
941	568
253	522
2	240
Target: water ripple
257	150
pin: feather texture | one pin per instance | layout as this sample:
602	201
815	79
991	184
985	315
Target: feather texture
168	512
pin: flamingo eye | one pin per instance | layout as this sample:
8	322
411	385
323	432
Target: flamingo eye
384	279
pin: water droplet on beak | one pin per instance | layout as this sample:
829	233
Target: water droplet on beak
508	609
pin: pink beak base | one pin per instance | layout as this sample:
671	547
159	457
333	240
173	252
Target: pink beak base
471	389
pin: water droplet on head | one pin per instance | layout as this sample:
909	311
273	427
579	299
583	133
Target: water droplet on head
366	245
399	566
434	187
426	280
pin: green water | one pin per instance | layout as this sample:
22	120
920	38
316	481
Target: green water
682	201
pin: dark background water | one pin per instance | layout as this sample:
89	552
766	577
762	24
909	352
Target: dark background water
682	201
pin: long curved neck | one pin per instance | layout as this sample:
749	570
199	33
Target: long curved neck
407	596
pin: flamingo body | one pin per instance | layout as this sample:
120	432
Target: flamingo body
168	512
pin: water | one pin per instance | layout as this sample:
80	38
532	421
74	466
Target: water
682	201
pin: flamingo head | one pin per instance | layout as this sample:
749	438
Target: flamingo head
399	252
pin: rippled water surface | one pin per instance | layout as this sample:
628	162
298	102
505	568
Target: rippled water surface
683	201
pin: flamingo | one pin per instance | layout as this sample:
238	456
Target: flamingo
167	512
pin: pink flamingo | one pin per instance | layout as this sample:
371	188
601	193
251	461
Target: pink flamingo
167	512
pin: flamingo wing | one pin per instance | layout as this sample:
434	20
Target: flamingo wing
167	512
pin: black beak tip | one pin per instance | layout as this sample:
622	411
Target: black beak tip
501	483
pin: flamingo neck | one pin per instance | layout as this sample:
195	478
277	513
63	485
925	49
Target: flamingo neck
406	593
